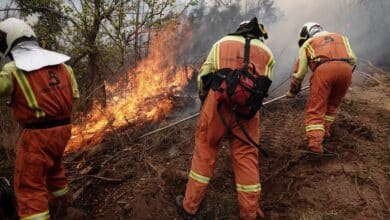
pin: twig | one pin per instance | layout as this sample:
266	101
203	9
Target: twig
156	168
105	178
369	76
94	90
76	179
358	191
381	195
97	177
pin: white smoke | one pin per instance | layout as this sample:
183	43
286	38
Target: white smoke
365	22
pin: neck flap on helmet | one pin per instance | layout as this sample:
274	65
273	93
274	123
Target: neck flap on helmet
29	56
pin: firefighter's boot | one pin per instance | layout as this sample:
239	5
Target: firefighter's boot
315	139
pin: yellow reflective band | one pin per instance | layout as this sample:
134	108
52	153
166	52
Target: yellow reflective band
199	178
269	67
347	45
216	59
248	188
28	93
329	118
315	127
351	54
60	192
40	216
311	51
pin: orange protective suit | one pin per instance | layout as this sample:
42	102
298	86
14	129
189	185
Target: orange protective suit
330	57
39	170
228	53
42	103
328	86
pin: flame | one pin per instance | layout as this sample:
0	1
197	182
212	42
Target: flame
145	98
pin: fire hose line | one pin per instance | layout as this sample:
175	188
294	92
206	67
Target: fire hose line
197	114
265	103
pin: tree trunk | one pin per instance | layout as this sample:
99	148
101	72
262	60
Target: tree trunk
136	34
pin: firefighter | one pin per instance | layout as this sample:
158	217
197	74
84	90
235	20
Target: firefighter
228	52
330	57
41	90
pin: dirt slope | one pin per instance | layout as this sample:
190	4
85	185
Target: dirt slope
352	181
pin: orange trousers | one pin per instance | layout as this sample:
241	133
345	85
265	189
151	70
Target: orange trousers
328	86
209	132
39	173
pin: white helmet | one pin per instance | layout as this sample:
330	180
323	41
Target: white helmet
308	30
19	40
13	30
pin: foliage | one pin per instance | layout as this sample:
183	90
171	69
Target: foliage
99	35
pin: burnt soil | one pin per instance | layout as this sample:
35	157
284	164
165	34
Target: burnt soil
126	178
351	181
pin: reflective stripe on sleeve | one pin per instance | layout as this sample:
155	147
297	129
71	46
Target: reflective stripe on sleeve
311	51
199	178
248	188
347	45
351	54
329	118
28	93
216	58
60	192
40	216
315	127
269	68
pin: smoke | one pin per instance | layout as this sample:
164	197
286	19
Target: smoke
211	21
364	22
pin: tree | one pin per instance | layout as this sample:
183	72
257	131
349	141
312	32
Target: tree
100	35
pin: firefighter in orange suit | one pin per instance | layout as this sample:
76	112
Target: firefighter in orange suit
331	59
41	88
228	52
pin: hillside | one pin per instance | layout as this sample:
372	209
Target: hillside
130	178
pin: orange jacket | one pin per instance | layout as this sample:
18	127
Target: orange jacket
41	95
322	47
228	52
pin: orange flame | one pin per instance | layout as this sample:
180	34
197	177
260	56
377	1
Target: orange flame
146	96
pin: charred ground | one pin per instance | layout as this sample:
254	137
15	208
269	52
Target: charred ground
131	179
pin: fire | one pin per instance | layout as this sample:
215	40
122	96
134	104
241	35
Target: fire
145	98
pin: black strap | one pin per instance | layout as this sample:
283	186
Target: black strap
246	53
229	130
47	124
319	63
249	138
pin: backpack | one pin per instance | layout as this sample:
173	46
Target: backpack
239	89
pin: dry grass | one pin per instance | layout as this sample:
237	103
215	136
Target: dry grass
320	215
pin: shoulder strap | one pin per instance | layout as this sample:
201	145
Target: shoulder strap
247	52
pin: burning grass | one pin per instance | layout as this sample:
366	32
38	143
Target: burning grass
147	97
